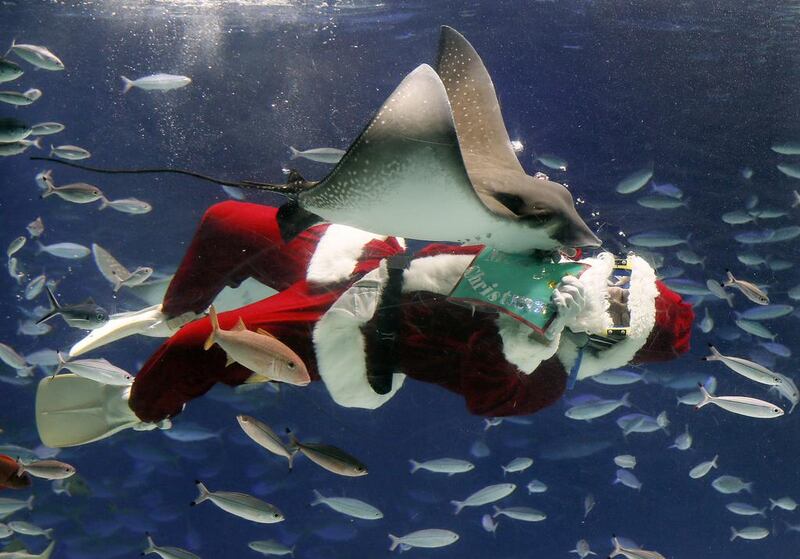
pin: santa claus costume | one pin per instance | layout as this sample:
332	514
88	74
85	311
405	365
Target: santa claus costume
365	315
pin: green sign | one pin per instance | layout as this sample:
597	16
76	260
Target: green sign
519	285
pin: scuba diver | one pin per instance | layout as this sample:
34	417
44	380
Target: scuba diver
364	314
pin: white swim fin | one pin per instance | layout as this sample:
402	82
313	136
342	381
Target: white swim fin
71	411
149	321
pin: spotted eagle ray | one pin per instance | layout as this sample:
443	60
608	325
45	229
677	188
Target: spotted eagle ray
436	163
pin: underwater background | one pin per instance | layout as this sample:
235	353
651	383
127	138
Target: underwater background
699	90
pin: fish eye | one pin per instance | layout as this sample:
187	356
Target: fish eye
290	364
276	515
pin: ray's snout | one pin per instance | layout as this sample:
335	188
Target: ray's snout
575	233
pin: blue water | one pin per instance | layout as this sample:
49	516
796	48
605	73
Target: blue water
700	90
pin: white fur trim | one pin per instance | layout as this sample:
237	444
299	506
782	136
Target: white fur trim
594	316
519	348
337	253
341	349
642	293
438	273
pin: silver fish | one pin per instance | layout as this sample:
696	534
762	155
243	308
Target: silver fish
329	457
126	205
167	552
744	509
628	479
632	553
73	153
517	465
9	71
767	312
77	193
20	146
741	405
156	82
485	496
656	239
28	529
744	367
13	130
524	514
429	538
551	161
47	469
790	169
15	246
786	148
635	181
749	532
14	271
240	504
320	155
47	128
599	408
737	217
70	251
15	98
39	56
350	507
449	466
749	290
658	202
35	287
98	370
755	328
10	357
703	468
270	547
264	436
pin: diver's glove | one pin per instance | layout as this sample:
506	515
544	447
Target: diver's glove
149	321
569	300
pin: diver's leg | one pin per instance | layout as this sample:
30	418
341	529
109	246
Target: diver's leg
235	241
181	370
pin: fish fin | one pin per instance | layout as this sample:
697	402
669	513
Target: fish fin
38	143
617	548
626	400
47	552
414	465
61	363
730	279
715	354
204	493
128	84
29	502
772	504
318	498
262	331
458	504
734	533
295	152
49	189
239	325
151	545
212	313
52	150
395	542
103	203
496	510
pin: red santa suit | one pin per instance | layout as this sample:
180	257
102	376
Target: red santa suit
330	281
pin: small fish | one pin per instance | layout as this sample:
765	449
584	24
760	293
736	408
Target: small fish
625	461
9	71
743	509
749	533
632	553
35	287
788	389
44	179
536	486
658	202
690	257
233	192
778	264
13	130
350	507
617	377
755	328
15	246
790	169
628	479
492	422
47	469
167	552
70	251
429	538
776	349
588	504
755	237
77	193
738	217
551	161
98	370
28	529
73	153
599	408
485	496
683	441
270	547
15	98
780	234
716	289
703	468
706	323
320	155
33	94
635	181
785	503
741	405
87	315
132	206
786	148
329	457
768	213
35	228
47	128
655	239
240	504
260	351
667	189
9	506
748	369
156	82
14	271
29	327
15	148
489	524
767	312
751	259
264	436
449	466
582	549
524	514
517	465
749	290
37	55
13	359
116	273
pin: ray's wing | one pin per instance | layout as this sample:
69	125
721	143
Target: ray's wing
479	123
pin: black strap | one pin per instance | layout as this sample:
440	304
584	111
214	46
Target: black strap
387	324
